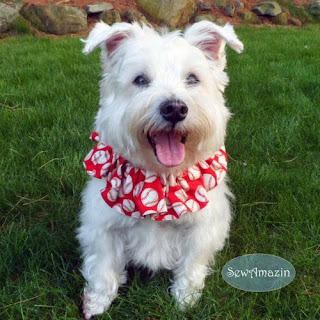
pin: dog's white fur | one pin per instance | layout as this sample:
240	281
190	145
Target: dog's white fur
110	240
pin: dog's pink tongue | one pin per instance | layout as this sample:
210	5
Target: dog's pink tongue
169	148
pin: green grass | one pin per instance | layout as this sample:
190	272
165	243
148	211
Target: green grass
48	99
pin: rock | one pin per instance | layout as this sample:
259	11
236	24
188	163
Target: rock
98	7
7	17
56	20
204	6
281	19
249	17
296	22
220	3
170	12
110	17
229	10
314	9
270	8
133	15
209	17
238	4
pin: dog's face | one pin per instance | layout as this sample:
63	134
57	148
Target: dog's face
161	98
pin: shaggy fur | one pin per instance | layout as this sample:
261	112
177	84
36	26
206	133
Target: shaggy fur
128	113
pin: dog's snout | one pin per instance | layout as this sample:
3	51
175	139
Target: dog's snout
174	110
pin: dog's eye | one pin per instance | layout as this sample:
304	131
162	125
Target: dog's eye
192	79
141	81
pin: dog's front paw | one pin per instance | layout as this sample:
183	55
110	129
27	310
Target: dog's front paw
94	303
185	298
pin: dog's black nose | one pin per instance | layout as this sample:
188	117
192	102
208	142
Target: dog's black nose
174	110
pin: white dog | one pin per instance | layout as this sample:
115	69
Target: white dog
157	197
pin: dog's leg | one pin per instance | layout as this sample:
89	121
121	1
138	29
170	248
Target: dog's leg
103	268
189	277
204	240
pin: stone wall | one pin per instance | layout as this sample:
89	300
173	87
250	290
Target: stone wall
59	20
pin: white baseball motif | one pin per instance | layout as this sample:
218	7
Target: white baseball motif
215	165
193	205
91	173
201	194
179	208
112	195
119	170
100	157
115	183
128	168
203	164
209	181
180	194
88	156
136	214
149	212
137	189
105	168
219	174
168	203
120	192
194	173
128	205
127	185
222	160
150	177
149	197
162	207
169	217
184	184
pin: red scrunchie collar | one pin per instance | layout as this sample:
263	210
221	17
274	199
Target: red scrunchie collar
139	193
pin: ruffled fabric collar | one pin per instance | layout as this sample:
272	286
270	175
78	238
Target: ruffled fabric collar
139	193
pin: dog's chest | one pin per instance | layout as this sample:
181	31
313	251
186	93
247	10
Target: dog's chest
157	244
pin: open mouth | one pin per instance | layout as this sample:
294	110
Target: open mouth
168	147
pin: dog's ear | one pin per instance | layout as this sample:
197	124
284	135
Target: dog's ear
106	37
211	39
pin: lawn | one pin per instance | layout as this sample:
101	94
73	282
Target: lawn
48	99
